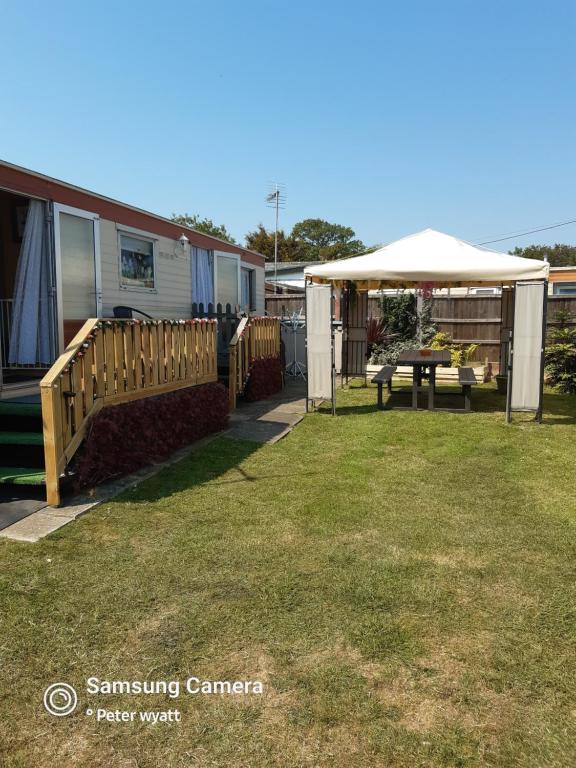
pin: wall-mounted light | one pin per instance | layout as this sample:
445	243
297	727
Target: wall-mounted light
182	246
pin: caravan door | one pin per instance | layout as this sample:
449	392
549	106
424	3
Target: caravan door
78	272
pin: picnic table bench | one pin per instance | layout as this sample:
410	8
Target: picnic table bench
466	380
384	376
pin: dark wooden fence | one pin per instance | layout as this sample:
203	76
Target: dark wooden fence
285	305
467	319
228	318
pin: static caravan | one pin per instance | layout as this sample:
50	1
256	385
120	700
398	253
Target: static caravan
67	254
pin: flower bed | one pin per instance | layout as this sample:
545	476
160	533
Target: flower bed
124	438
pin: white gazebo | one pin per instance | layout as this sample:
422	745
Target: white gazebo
431	259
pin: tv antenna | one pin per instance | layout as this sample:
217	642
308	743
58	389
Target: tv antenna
276	198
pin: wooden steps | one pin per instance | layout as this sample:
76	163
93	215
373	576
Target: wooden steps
21	445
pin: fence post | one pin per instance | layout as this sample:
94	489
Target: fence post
232	377
53	448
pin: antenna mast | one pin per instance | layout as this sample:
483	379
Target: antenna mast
276	199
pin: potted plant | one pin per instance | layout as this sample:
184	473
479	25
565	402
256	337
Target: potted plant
501	383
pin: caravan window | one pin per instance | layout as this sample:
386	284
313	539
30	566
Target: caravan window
137	263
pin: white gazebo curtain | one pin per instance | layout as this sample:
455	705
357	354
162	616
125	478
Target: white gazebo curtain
32	338
203	277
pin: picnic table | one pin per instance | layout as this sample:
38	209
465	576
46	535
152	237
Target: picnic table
420	362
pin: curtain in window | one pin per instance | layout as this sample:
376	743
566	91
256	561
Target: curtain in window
203	277
246	288
32	334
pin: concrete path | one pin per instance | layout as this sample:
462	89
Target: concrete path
268	421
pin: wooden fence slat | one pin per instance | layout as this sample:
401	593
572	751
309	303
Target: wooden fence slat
120	362
201	346
129	355
138	366
99	363
110	366
88	377
192	353
161	340
169	351
77	399
146	356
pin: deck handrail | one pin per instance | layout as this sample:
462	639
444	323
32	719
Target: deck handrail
255	337
113	361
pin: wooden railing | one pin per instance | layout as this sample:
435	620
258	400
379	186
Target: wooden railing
114	361
255	337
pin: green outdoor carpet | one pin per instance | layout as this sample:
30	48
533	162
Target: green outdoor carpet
21	476
21	438
8	408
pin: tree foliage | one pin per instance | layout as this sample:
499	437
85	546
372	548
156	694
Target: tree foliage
309	240
203	225
559	255
323	241
262	241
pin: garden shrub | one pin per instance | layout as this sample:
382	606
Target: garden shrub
560	356
399	315
400	319
124	438
375	331
460	354
264	379
387	354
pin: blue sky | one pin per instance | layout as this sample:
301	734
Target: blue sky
385	116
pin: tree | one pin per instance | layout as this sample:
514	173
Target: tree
559	255
322	241
262	241
203	225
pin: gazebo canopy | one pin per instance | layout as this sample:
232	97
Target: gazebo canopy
429	257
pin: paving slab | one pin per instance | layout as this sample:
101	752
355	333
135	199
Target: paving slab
281	417
13	510
292	406
34	527
259	431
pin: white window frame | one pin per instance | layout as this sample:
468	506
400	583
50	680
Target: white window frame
137	234
236	258
559	285
57	209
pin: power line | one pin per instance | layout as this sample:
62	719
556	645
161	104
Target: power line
528	232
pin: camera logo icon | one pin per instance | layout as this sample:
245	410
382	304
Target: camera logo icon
60	699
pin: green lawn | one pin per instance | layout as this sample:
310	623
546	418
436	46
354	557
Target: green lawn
404	584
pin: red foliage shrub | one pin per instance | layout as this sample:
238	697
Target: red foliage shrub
265	378
124	438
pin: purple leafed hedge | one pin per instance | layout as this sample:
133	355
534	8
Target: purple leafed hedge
265	378
124	438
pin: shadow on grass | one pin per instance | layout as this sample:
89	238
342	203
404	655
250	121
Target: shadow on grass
205	465
558	408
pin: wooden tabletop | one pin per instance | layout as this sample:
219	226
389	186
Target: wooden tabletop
415	357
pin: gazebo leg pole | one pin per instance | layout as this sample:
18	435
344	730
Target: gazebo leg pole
543	353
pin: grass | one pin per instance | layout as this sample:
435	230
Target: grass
404	584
